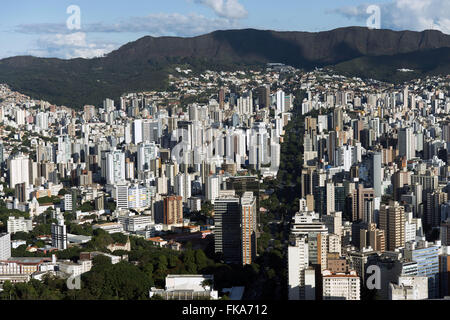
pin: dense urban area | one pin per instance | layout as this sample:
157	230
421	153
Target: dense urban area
275	184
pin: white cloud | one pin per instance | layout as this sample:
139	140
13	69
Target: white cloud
416	15
159	24
230	9
57	41
68	46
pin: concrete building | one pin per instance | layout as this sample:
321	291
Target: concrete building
19	225
427	257
59	234
173	210
5	246
392	221
409	288
301	278
341	286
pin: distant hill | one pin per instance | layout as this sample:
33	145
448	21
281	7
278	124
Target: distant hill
144	64
400	67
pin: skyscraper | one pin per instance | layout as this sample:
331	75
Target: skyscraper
227	234
5	246
146	153
115	167
173	210
392	221
427	257
248	227
19	172
301	280
406	143
359	196
59	234
376	173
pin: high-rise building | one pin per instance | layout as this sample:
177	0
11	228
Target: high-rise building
183	186
227	233
406	143
333	221
137	131
59	234
433	207
376	174
115	167
308	223
392	221
122	196
330	200
281	102
263	96
19	171
248	227
427	257
212	188
146	153
20	192
5	246
138	197
301	279
173	210
359	196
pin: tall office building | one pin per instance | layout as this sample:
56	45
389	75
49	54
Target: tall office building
248	227
392	221
59	234
227	232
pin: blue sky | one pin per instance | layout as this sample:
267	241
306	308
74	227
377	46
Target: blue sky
30	27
